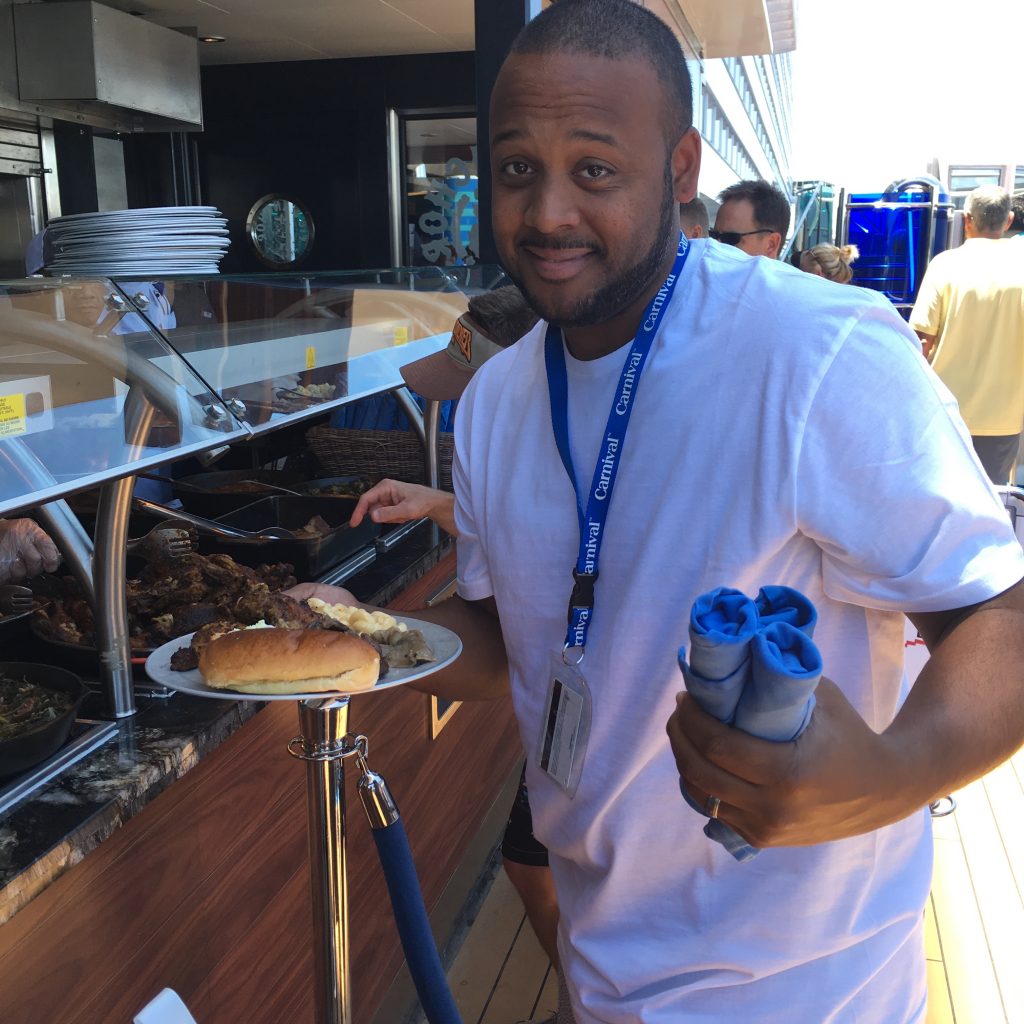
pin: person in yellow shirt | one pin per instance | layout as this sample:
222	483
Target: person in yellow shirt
969	315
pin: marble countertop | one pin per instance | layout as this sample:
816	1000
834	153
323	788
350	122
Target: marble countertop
56	827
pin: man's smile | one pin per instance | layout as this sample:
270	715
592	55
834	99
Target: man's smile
556	264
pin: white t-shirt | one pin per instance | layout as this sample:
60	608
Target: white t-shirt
786	430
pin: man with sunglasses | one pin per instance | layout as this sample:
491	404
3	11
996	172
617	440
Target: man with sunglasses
754	216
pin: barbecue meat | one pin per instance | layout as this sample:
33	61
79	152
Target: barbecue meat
275	609
277	577
175	597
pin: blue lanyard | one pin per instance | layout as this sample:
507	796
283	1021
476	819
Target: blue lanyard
592	518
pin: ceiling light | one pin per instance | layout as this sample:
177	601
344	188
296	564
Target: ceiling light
211	39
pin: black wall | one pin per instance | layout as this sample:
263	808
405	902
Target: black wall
314	130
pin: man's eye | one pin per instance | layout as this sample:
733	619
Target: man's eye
516	168
595	172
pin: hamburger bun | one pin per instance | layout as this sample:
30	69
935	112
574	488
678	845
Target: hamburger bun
285	661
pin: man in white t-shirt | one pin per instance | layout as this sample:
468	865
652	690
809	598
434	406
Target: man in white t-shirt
785	430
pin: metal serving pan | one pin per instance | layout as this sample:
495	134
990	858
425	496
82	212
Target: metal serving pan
21	752
332	481
82	657
311	557
203	493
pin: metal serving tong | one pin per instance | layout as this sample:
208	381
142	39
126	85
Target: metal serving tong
166	541
213	528
15	599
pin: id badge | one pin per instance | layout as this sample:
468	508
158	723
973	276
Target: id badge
565	727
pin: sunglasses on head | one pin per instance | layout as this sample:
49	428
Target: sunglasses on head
733	237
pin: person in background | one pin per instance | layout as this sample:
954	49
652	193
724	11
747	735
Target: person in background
26	550
754	216
812	405
1016	228
493	321
85	303
831	262
969	315
693	219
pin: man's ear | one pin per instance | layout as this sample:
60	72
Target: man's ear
775	242
686	166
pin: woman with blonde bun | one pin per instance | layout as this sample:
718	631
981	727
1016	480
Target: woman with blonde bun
829	261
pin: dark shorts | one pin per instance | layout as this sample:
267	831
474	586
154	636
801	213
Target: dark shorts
997	455
520	845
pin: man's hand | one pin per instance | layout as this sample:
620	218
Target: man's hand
964	716
837	779
25	550
392	501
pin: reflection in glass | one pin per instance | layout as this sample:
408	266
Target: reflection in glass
440	191
71	355
281	230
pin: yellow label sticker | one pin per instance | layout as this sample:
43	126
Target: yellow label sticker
311	358
12	415
401	335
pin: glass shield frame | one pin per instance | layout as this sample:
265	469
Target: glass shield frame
89	392
281	348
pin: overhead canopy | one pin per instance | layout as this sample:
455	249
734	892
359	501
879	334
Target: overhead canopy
741	27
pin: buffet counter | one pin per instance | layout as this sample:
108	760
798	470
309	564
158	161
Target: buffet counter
174	853
70	816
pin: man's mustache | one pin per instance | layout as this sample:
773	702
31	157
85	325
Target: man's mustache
559	242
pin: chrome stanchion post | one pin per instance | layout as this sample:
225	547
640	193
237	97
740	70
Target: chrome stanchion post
323	745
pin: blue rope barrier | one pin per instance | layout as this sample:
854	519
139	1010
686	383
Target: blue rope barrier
413	925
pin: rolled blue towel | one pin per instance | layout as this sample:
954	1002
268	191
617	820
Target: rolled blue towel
777	702
774	672
784	604
722	624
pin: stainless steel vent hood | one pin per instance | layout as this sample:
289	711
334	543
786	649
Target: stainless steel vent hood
108	64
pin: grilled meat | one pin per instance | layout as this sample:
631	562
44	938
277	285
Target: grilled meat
171	598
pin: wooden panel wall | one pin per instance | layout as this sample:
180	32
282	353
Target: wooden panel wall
206	890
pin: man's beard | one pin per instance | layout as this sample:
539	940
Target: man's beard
616	295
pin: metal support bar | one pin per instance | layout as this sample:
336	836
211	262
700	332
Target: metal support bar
814	203
323	725
431	429
109	565
348	569
412	410
72	541
57	518
398	534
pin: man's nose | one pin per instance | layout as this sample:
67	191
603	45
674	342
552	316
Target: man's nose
553	205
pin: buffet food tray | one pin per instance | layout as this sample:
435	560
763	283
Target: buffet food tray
311	556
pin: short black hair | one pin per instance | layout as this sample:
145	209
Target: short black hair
615	29
693	213
503	314
771	207
1017	206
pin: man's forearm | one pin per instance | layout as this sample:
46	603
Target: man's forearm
481	672
927	344
965	713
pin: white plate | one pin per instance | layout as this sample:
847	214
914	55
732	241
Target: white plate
168	211
445	644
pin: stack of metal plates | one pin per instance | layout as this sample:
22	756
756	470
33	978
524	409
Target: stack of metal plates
118	243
